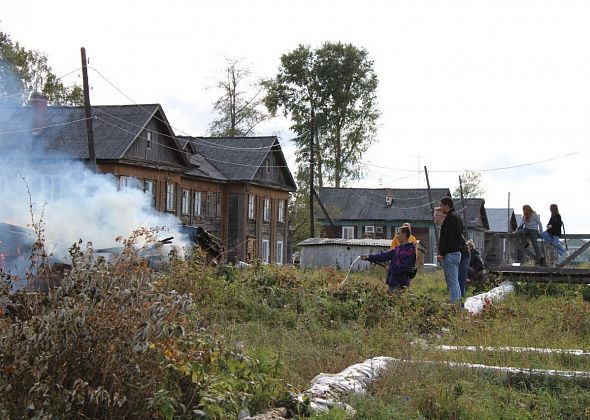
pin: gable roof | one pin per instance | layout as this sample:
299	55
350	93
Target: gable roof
475	212
240	158
498	219
369	203
116	127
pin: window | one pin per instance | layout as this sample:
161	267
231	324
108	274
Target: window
51	187
211	204
149	140
280	252
185	207
251	207
197	203
218	205
369	229
267	166
149	188
170	196
124	182
379	229
265	251
347	232
266	213
281	216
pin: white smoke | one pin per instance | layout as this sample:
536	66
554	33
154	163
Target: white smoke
72	202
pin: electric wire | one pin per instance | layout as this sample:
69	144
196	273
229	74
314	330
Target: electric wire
185	152
43	127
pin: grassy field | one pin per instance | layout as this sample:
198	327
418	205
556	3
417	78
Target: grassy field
197	342
312	324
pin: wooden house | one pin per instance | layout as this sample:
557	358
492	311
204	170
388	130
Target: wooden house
473	211
498	249
374	213
235	188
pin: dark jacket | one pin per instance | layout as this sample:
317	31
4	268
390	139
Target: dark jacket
402	258
556	224
451	234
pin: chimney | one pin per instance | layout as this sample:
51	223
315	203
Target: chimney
39	108
388	198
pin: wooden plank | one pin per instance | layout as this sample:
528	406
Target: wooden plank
574	255
576	236
543	274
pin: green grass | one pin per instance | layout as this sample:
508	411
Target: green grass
311	324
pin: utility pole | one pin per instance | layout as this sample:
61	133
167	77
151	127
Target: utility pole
431	207
89	130
464	208
311	171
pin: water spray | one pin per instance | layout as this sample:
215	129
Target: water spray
349	270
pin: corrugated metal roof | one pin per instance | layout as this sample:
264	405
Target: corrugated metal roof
498	219
345	242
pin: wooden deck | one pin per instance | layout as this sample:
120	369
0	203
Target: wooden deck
543	274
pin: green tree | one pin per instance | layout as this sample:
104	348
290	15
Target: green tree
23	72
472	185
336	84
239	107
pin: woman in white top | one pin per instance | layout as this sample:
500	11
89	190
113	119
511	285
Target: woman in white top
531	228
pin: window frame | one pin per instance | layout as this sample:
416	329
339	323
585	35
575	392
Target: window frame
266	209
350	230
185	204
265	257
281	211
251	207
197	203
150	192
279	255
170	196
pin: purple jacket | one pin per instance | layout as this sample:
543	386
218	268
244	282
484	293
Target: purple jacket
402	258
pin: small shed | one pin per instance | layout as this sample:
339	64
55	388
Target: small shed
341	253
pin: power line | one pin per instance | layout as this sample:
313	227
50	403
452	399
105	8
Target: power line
41	128
382	167
182	151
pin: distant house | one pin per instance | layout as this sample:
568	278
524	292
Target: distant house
374	213
500	250
236	188
573	245
474	212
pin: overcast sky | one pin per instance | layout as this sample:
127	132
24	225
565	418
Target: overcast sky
463	84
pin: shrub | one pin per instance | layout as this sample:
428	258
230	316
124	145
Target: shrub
114	341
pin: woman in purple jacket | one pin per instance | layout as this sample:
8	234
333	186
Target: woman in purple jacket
402	257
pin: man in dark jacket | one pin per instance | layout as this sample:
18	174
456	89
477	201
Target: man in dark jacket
402	258
449	247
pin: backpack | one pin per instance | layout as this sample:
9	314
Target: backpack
412	272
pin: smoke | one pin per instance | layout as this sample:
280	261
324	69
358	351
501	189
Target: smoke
72	202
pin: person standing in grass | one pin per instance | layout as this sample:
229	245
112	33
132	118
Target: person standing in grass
402	257
395	241
449	247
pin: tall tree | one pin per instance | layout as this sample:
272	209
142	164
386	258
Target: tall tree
239	107
23	72
337	83
472	185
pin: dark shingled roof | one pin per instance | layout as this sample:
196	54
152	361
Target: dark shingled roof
115	128
498	219
202	168
239	158
369	203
